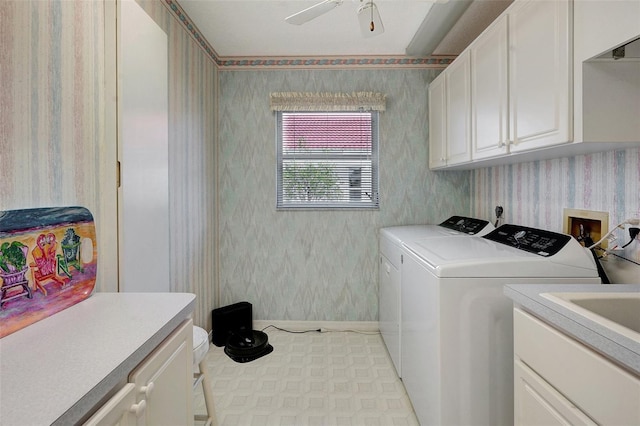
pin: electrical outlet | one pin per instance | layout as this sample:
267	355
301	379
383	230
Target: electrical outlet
586	226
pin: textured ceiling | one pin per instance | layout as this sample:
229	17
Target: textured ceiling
256	28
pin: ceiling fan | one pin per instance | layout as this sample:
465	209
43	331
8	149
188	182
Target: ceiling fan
368	15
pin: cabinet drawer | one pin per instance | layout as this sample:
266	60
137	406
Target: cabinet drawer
121	409
538	403
605	392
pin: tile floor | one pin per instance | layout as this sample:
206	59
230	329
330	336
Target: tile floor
332	378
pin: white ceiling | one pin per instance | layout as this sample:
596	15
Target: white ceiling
257	28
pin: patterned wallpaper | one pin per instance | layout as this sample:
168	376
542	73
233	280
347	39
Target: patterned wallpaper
319	265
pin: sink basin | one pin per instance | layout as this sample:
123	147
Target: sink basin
620	312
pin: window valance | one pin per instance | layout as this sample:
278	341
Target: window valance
307	101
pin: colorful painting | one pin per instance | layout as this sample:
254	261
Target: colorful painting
48	262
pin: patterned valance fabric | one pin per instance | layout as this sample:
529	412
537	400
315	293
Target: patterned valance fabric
306	101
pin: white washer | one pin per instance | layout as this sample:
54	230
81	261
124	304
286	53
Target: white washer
391	240
457	344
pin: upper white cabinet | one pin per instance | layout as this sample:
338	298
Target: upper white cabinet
437	123
606	90
603	25
450	115
539	73
540	86
490	106
520	80
458	90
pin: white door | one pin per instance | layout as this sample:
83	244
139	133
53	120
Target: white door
540	70
458	94
490	101
437	123
143	196
120	410
164	380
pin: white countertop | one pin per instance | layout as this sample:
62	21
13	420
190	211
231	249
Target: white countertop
56	370
615	346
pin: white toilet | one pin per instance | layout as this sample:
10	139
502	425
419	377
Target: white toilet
201	374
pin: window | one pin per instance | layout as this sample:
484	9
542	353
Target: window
327	159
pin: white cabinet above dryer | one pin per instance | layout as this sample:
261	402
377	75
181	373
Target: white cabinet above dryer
540	41
540	88
489	90
520	80
450	115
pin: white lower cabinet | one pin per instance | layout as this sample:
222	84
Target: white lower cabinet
121	410
560	381
536	402
160	389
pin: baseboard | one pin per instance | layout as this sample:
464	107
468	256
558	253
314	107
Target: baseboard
364	326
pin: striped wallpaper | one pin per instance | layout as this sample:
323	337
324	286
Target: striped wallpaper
535	194
57	130
53	146
192	161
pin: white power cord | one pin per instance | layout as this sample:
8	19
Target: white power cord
634	222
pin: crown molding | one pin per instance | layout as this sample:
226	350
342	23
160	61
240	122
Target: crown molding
311	62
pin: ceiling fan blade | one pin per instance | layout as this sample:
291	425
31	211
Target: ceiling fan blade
312	12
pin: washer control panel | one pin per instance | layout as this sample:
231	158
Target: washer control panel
532	240
468	225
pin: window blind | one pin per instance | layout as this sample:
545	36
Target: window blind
327	159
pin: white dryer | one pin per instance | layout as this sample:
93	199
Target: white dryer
456	347
391	240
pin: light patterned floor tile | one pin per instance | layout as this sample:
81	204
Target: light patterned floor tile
324	379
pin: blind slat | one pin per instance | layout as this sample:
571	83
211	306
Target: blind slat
327	160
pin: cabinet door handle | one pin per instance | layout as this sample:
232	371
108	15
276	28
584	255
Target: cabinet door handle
147	390
138	408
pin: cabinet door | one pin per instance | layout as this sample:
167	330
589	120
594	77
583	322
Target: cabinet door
437	123
120	410
143	150
540	70
538	403
489	82
389	315
165	380
458	118
601	25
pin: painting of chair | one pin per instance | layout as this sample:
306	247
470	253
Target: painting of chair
45	263
70	256
13	270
